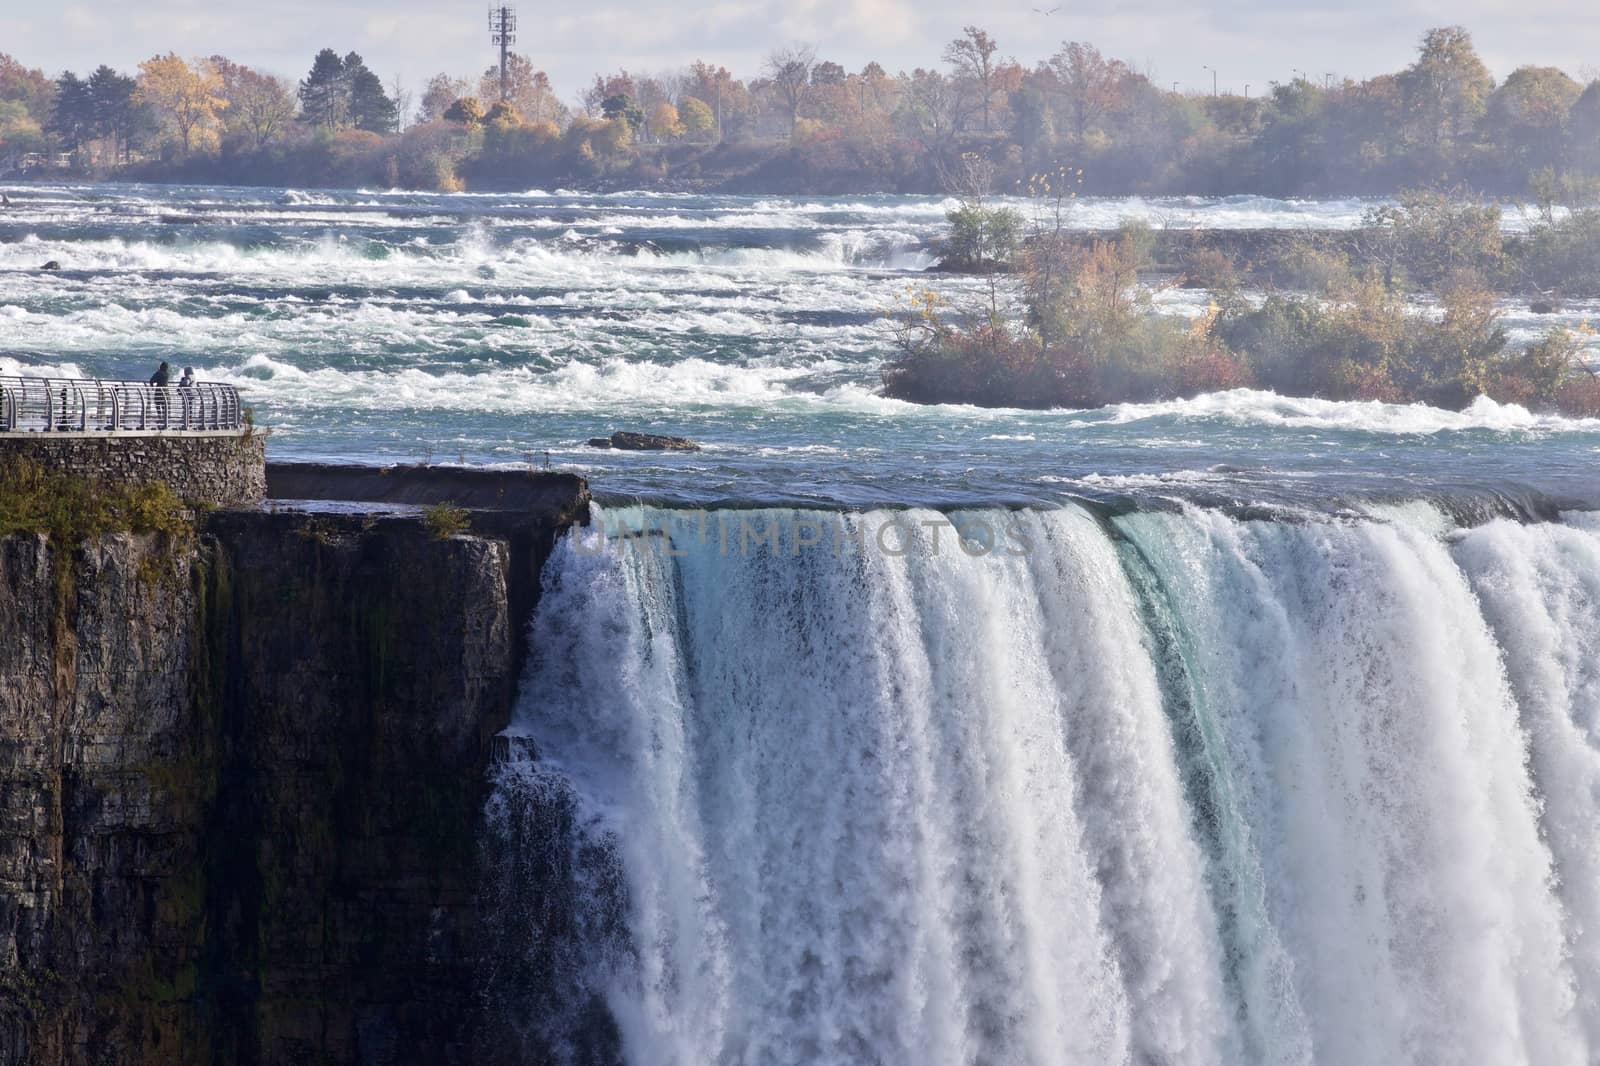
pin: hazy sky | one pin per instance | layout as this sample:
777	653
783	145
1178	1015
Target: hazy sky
1248	41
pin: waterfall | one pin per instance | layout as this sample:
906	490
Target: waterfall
1047	787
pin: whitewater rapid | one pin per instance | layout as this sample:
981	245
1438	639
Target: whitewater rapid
1048	786
510	329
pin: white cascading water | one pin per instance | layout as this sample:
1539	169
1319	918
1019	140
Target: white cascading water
1176	788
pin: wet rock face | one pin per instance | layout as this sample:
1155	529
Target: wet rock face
241	780
97	730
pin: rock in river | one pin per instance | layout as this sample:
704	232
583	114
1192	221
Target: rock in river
644	442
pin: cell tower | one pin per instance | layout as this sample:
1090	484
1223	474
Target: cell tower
503	32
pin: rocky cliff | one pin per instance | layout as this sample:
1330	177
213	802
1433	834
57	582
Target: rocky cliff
240	783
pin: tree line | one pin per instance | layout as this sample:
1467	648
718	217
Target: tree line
805	123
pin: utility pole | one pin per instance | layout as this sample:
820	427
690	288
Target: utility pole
1213	71
503	32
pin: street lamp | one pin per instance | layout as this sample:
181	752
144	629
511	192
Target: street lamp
1247	90
1213	71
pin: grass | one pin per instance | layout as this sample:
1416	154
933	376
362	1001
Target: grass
445	520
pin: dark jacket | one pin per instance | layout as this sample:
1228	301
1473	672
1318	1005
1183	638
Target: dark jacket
161	377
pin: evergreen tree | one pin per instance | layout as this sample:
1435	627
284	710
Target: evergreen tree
370	107
73	116
323	95
340	93
112	107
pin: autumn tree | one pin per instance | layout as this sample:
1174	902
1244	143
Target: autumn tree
715	87
972	57
930	109
1446	88
27	86
441	92
1090	85
261	106
790	72
187	101
606	87
1526	118
663	122
696	118
467	111
27	100
527	89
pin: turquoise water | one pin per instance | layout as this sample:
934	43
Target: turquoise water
506	329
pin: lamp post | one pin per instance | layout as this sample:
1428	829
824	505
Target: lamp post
1213	71
1247	90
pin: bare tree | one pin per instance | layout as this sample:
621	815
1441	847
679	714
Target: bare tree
402	98
790	71
972	57
263	106
1091	84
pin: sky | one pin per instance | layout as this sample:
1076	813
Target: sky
1248	42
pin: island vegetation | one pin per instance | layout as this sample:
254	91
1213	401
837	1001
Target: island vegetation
1404	313
805	124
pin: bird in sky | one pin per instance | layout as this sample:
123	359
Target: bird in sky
1042	11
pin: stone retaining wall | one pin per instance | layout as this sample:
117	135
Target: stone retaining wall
224	469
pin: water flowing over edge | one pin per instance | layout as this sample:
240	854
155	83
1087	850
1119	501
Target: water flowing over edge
1040	787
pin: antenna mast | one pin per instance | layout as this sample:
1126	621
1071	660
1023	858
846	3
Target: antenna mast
503	32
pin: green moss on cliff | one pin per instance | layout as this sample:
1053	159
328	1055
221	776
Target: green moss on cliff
72	508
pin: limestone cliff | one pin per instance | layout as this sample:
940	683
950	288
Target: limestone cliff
240	783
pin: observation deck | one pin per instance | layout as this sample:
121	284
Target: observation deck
196	439
89	406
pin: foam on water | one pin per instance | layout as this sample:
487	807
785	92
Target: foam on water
388	326
1270	409
1001	787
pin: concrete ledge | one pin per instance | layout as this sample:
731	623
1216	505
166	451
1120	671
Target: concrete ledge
482	490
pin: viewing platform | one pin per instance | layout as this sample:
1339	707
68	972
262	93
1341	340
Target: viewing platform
198	439
83	405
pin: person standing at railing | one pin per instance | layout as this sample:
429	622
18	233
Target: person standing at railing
162	379
186	396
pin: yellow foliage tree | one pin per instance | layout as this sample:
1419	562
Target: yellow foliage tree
187	99
696	118
664	124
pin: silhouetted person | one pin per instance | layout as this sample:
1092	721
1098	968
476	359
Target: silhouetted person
161	379
187	383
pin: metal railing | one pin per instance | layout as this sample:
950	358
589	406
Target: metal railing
81	405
